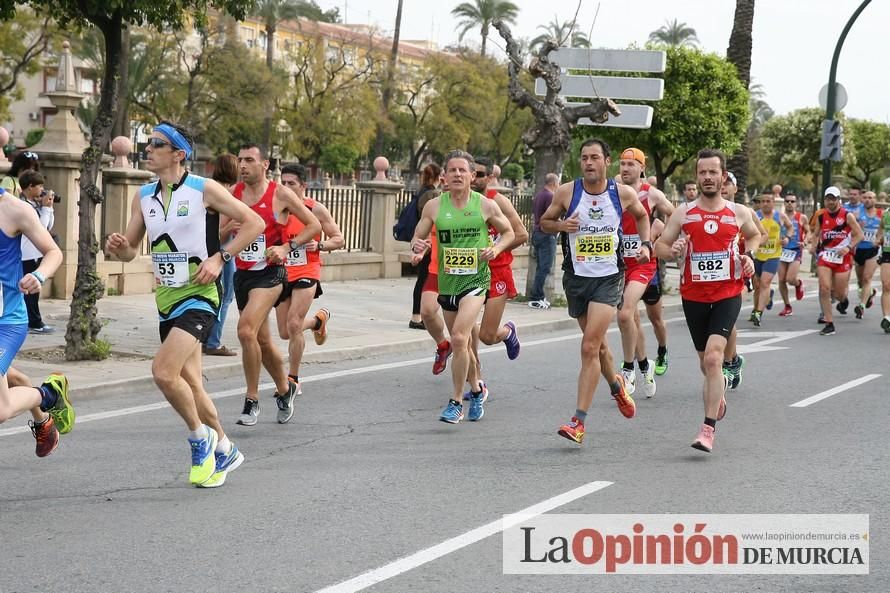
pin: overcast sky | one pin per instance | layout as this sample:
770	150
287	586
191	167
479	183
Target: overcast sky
793	39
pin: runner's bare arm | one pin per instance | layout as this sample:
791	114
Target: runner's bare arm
42	240
551	219
420	242
123	246
492	214
333	236
857	235
660	203
287	200
631	203
670	245
520	234
751	228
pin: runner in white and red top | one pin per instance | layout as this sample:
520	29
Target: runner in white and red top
637	276
705	234
259	281
836	235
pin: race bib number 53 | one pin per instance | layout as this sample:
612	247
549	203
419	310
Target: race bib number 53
171	269
461	261
590	247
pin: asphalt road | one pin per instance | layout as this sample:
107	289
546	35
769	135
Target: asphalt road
365	474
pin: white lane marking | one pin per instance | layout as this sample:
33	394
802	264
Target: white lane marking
826	394
427	555
321	377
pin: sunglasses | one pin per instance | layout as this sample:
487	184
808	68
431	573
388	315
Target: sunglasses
790	201
481	174
158	143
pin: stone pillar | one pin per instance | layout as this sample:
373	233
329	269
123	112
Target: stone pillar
120	183
60	152
383	216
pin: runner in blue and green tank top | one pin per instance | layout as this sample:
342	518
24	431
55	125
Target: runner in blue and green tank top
461	217
180	213
865	258
884	239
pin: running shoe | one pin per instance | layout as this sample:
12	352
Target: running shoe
871	298
441	360
225	463
574	430
250	412
769	305
798	290
286	402
828	330
821	319
630	380
728	371
737	372
62	412
885	325
786	311
649	386
203	459
477	409
512	341
705	439
469	394
46	434
321	334
858	310
748	285
755	318
721	412
842	306
453	412
661	364
625	402
541	304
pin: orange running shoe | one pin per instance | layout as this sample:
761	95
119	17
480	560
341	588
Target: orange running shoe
625	402
321	334
574	430
46	434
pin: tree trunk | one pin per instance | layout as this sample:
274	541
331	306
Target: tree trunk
739	54
83	323
122	120
270	58
484	38
387	84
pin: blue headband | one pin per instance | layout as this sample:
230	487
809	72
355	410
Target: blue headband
177	139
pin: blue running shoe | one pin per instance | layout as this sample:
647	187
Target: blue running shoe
512	341
769	305
203	461
453	412
469	394
477	411
225	463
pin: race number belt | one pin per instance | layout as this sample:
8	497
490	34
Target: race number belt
171	269
832	256
788	255
589	248
630	245
255	252
709	266
461	261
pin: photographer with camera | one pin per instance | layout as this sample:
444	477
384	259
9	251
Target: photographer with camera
33	192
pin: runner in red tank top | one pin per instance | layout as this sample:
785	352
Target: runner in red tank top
704	233
637	276
258	285
836	235
490	331
303	265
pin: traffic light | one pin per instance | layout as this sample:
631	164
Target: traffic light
832	140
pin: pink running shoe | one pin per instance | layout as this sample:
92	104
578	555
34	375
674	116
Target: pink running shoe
705	439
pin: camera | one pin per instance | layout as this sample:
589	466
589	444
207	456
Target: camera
56	198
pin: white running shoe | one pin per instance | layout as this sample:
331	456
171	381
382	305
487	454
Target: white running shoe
649	380
630	380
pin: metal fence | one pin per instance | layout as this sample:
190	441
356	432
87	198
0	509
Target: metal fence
402	199
523	205
351	210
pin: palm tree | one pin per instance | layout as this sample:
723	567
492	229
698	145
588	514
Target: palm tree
272	12
739	54
481	13
674	34
560	33
760	110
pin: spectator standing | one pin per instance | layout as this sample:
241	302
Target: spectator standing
23	161
429	177
32	191
225	172
544	243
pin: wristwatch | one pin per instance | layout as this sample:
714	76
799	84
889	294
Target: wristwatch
647	245
293	244
321	245
225	255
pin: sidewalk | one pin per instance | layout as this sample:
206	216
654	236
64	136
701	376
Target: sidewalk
369	318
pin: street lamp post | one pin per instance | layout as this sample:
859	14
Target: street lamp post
831	101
